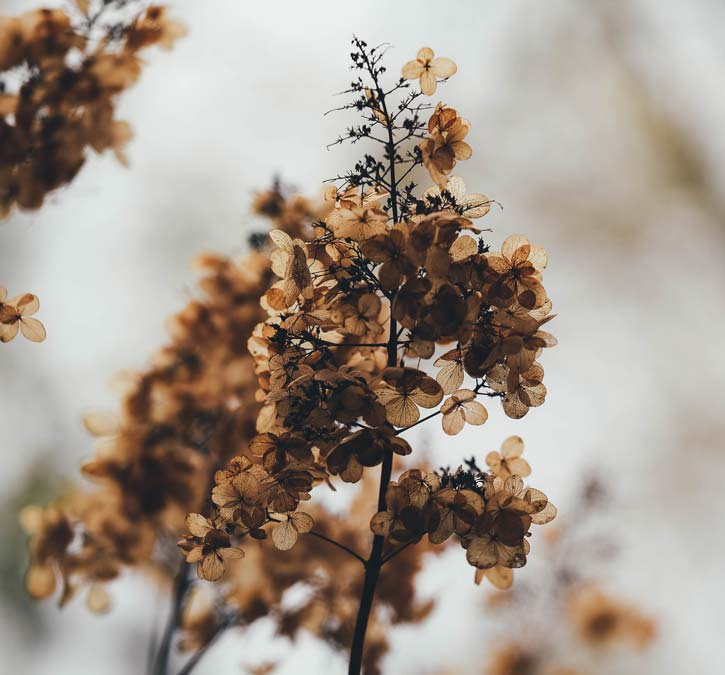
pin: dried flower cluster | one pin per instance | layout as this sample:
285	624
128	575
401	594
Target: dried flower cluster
386	278
17	313
61	71
306	366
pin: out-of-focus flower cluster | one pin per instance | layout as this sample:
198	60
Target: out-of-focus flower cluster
178	423
17	313
155	461
61	71
575	623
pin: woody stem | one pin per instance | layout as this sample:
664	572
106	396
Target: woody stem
374	563
182	581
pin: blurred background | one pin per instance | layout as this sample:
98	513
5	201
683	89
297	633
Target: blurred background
599	128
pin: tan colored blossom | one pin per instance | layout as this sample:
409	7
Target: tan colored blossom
445	145
509	462
403	390
213	549
454	196
461	409
426	69
520	265
18	313
286	533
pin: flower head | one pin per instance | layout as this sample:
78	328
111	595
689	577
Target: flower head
427	69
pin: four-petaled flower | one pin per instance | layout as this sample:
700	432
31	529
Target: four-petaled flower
427	69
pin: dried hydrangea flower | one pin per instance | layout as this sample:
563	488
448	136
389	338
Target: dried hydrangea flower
212	547
509	461
427	69
17	313
461	409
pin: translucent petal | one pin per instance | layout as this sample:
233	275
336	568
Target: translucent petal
428	83
513	243
211	567
282	240
412	70
284	535
197	524
402	412
443	67
304	522
475	413
453	422
28	304
512	447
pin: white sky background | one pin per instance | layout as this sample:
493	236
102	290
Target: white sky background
581	139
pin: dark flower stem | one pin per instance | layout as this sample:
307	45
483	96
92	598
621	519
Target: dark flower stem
374	563
182	582
347	549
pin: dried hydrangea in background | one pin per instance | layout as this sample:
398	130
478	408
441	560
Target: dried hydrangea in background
572	626
17	313
304	366
61	72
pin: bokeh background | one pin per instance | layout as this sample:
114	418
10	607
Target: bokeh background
599	126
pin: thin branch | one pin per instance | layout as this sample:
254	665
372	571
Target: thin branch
347	549
395	552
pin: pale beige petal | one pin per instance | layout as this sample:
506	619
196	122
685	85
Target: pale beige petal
412	70
475	413
195	555
402	412
513	243
231	553
284	535
461	150
538	257
443	67
27	304
282	240
512	447
197	524
428	83
519	466
32	329
211	567
501	577
453	422
304	522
